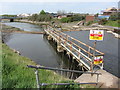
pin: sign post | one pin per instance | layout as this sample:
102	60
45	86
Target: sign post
95	35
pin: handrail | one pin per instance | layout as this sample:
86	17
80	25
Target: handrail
76	45
66	70
79	46
56	69
79	41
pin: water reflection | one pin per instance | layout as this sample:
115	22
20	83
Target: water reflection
65	62
42	51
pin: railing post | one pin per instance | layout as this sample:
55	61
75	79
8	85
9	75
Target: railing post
88	51
79	52
37	79
93	56
71	46
97	78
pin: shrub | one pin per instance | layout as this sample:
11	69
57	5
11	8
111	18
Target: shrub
65	19
103	21
89	23
115	16
77	18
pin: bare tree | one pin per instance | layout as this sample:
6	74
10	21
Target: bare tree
61	12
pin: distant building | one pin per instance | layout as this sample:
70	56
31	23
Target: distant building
103	16
24	15
110	11
61	16
90	18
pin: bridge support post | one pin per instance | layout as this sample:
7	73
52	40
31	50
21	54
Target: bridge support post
60	48
49	37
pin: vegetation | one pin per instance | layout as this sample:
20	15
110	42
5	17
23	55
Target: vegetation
115	17
113	23
65	19
103	21
6	15
16	74
89	23
42	16
77	17
73	18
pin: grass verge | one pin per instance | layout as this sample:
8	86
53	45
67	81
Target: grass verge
15	74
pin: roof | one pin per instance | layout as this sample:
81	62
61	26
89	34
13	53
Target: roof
103	16
110	9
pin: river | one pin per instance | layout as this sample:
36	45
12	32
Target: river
37	48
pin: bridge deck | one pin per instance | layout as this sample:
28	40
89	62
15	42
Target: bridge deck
82	52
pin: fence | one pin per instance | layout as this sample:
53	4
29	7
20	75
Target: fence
56	69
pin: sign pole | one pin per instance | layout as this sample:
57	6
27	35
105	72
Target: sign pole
94	47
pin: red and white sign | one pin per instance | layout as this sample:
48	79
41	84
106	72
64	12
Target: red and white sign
98	60
96	35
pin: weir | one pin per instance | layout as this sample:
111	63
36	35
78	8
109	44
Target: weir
78	50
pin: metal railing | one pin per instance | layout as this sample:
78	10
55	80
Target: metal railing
57	69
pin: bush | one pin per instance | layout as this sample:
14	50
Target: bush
89	23
115	16
103	21
77	18
65	19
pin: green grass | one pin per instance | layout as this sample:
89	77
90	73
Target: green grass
113	23
16	74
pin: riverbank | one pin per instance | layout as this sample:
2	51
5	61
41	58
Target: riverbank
74	27
9	29
15	73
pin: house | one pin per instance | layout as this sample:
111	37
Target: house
24	15
110	11
90	18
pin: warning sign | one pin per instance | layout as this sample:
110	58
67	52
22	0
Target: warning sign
98	60
96	35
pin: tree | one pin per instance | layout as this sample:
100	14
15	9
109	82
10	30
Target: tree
42	12
33	17
77	17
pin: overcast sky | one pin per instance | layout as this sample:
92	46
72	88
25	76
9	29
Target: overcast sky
35	6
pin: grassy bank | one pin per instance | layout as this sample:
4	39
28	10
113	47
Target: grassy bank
17	75
113	23
6	28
